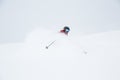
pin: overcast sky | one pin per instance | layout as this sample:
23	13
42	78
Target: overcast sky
19	17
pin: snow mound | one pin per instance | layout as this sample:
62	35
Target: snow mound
63	60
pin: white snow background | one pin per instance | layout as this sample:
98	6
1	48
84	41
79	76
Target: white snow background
64	60
91	51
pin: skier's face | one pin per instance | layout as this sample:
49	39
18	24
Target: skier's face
67	30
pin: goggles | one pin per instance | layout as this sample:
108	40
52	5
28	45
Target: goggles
67	30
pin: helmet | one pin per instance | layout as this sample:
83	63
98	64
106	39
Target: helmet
66	29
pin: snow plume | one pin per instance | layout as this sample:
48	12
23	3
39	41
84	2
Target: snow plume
63	60
40	38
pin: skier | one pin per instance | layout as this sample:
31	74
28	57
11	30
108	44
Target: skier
65	30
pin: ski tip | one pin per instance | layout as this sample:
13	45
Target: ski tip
85	52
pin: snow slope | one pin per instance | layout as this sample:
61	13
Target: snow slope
64	60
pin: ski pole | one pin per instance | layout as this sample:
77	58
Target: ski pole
50	44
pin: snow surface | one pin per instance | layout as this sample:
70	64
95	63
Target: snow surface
90	57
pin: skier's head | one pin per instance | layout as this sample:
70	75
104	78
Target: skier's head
66	29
